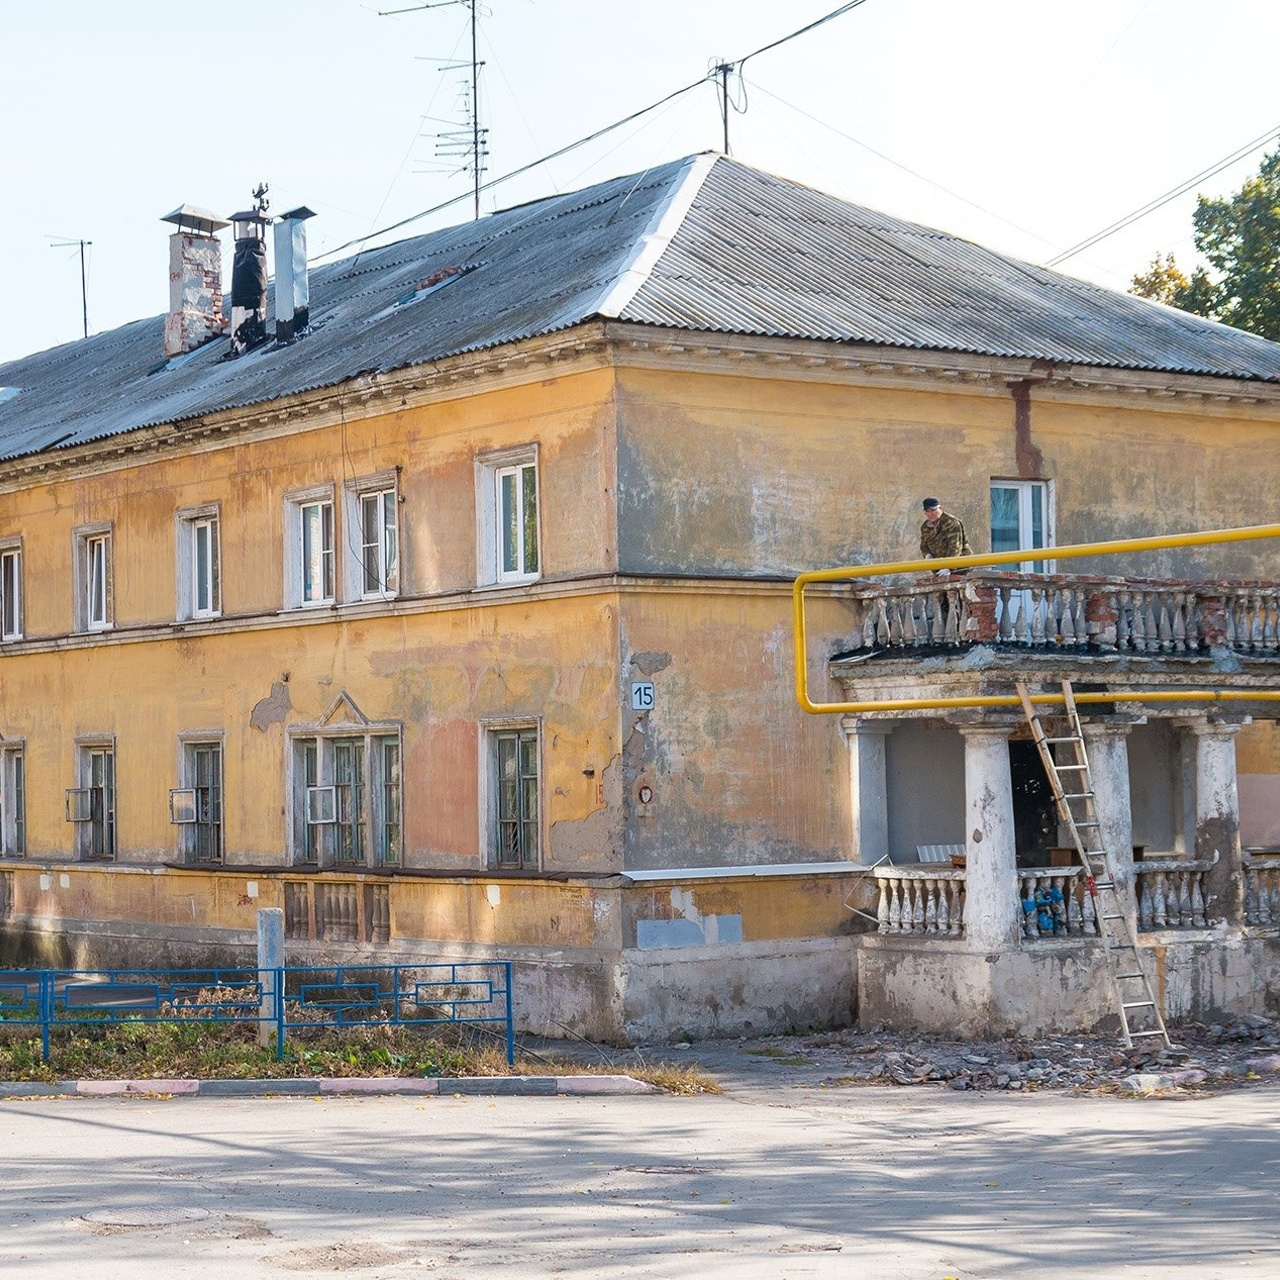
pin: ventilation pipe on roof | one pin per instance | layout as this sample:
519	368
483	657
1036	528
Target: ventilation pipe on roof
249	276
195	280
293	295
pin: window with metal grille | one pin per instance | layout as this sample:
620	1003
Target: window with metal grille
347	798
515	765
92	805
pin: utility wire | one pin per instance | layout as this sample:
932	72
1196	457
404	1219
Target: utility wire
591	137
813	26
524	168
1161	201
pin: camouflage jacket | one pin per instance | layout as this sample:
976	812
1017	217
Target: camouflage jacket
943	539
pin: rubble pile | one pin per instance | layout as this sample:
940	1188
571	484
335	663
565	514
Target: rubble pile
1242	1051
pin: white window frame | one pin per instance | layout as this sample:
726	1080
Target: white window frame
312	816
13	799
11	589
296	506
490	732
80	801
388	550
491	540
188	524
93	577
1025	489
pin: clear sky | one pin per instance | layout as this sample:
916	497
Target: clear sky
1025	125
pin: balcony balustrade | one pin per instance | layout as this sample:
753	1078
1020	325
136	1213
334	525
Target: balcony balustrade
929	901
1058	611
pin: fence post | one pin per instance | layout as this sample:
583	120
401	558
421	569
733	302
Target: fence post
45	998
511	1026
270	963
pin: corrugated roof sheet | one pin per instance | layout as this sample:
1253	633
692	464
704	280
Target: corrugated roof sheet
742	252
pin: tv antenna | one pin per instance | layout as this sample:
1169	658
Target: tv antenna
84	293
467	142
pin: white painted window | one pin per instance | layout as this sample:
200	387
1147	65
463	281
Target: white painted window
11	590
508	535
92	578
199	563
310	548
1022	519
91	805
346	786
13	801
371	569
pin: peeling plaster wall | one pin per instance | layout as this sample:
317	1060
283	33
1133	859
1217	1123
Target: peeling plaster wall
1062	986
765	474
725	769
441	665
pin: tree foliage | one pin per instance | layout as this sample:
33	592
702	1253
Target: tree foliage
1239	237
1163	281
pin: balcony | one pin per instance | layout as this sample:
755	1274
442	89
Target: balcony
1071	613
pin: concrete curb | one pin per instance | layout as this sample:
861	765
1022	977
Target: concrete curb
354	1086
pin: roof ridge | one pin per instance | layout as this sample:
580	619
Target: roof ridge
653	242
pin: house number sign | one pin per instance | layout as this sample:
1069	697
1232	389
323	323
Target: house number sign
642	695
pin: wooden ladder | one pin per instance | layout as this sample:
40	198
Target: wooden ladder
1072	784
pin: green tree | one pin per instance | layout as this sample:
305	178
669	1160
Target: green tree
1163	281
1239	237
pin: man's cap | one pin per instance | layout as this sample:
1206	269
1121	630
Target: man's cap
930	503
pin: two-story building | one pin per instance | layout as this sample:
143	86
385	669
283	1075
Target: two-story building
442	597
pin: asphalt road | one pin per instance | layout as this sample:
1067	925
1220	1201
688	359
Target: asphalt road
771	1179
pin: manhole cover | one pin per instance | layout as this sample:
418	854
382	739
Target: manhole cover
145	1216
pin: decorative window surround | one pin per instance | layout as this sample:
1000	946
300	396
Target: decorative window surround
371	552
508	533
198	562
93	577
310	548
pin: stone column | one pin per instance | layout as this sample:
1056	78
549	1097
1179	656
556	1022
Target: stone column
991	881
1218	816
868	787
1107	745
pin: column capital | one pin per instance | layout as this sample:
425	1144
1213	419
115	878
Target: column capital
1206	728
987	729
852	726
1107	728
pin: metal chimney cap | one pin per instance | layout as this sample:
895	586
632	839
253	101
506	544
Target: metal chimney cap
300	214
249	215
191	218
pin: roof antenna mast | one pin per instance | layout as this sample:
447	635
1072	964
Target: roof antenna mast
84	291
456	143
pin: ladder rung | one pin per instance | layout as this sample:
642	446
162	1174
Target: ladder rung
1122	977
1108	916
1138	1004
1071	739
1089	823
1062	768
1158	1032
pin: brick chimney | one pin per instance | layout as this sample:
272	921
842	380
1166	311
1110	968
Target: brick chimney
195	280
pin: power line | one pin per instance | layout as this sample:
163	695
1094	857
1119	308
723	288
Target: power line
591	137
515	173
1161	201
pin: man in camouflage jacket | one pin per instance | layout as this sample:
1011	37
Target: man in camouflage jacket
941	534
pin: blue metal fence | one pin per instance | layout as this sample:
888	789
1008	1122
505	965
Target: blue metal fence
333	997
